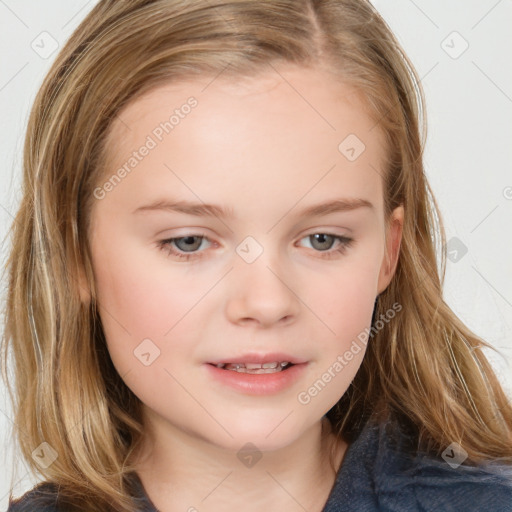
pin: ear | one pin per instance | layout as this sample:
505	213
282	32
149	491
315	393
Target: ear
393	240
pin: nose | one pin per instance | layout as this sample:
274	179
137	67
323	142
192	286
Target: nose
260	293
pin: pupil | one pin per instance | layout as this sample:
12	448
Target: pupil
322	236
189	242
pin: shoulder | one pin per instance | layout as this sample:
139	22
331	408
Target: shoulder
42	498
45	497
435	483
381	472
444	482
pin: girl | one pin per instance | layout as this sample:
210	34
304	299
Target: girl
223	288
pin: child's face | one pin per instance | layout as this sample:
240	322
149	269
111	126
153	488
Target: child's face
265	150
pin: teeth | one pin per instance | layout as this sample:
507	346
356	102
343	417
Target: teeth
254	367
242	369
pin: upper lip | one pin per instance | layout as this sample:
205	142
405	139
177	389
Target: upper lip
259	358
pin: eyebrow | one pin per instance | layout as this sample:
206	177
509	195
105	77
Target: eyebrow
211	210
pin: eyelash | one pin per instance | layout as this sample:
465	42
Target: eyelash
165	245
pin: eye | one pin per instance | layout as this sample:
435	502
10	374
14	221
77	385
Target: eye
185	244
325	241
186	247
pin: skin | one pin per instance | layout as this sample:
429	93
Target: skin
267	151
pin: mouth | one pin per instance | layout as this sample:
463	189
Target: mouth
255	368
257	374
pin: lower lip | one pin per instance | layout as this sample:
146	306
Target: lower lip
258	383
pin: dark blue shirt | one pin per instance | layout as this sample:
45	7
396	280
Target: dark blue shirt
377	475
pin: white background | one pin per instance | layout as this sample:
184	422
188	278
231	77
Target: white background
468	154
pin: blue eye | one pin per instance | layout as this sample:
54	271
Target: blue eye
187	246
320	238
188	243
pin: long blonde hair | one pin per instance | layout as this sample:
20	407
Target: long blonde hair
426	367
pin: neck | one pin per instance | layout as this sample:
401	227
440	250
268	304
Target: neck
180	472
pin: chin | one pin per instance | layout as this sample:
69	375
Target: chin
267	435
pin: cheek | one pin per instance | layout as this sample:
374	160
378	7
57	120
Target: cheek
346	319
137	302
344	303
344	300
146	321
345	308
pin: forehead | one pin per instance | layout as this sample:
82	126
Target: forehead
315	97
249	133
